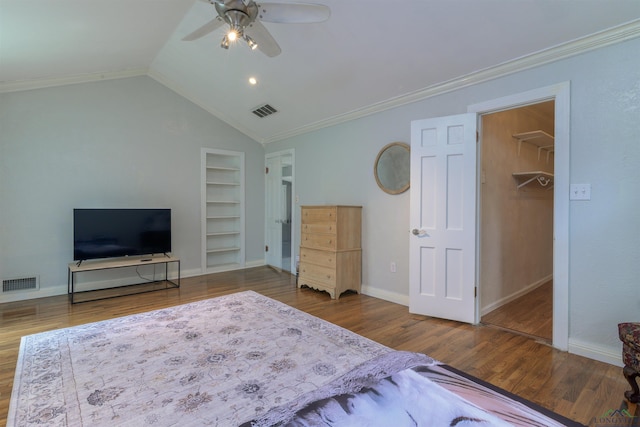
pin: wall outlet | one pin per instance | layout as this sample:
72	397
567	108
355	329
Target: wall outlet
393	267
580	192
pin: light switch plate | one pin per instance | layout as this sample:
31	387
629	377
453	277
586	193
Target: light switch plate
580	192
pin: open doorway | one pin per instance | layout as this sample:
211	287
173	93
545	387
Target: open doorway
516	219
279	210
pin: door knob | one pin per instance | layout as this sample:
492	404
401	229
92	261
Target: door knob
418	232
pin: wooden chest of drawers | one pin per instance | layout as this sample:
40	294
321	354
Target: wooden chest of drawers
330	252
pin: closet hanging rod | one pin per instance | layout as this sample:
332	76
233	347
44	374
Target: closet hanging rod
544	179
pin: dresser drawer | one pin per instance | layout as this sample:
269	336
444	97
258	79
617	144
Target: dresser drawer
323	275
318	241
320	227
315	215
330	252
321	258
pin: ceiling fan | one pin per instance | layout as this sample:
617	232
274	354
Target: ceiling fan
244	19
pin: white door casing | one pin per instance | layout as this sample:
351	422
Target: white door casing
560	93
442	257
273	206
279	209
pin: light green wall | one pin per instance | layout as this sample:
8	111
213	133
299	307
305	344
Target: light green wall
133	142
118	143
335	165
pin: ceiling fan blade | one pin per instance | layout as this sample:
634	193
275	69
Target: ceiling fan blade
207	28
293	13
266	43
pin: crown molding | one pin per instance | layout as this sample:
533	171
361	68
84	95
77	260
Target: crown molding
619	34
615	35
21	85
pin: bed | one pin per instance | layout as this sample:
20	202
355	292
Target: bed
244	360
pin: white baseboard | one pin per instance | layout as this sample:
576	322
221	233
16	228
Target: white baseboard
230	267
612	356
53	291
256	263
502	301
395	297
194	272
27	295
190	273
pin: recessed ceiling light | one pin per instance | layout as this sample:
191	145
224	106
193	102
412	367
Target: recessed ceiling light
253	81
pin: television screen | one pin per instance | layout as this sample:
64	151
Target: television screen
108	233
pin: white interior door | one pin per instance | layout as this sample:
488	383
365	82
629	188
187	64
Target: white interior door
274	203
442	257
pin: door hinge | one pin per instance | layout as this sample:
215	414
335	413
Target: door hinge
477	137
266	248
475	292
266	170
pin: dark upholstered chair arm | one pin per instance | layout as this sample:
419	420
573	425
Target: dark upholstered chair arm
629	334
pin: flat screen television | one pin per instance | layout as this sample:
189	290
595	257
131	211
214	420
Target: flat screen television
110	233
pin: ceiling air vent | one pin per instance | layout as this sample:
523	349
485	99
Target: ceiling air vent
20	284
264	110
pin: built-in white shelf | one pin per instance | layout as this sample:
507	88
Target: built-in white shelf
222	168
538	138
535	178
223	183
218	250
222	210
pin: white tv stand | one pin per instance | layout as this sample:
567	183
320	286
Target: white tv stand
88	266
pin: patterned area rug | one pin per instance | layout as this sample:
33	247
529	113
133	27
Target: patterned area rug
218	362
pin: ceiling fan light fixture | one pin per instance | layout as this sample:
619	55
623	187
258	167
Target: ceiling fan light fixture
232	35
225	42
252	44
243	15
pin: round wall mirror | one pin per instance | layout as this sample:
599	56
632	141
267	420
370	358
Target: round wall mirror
391	168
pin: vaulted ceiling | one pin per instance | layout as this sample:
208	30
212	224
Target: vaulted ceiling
368	56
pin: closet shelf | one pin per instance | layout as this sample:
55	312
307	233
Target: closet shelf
539	138
539	178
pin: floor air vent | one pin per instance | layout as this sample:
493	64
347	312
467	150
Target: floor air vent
264	110
20	284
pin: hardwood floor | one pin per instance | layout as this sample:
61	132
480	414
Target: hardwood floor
576	387
530	314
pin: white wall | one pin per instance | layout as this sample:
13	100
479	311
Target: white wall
118	143
335	165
